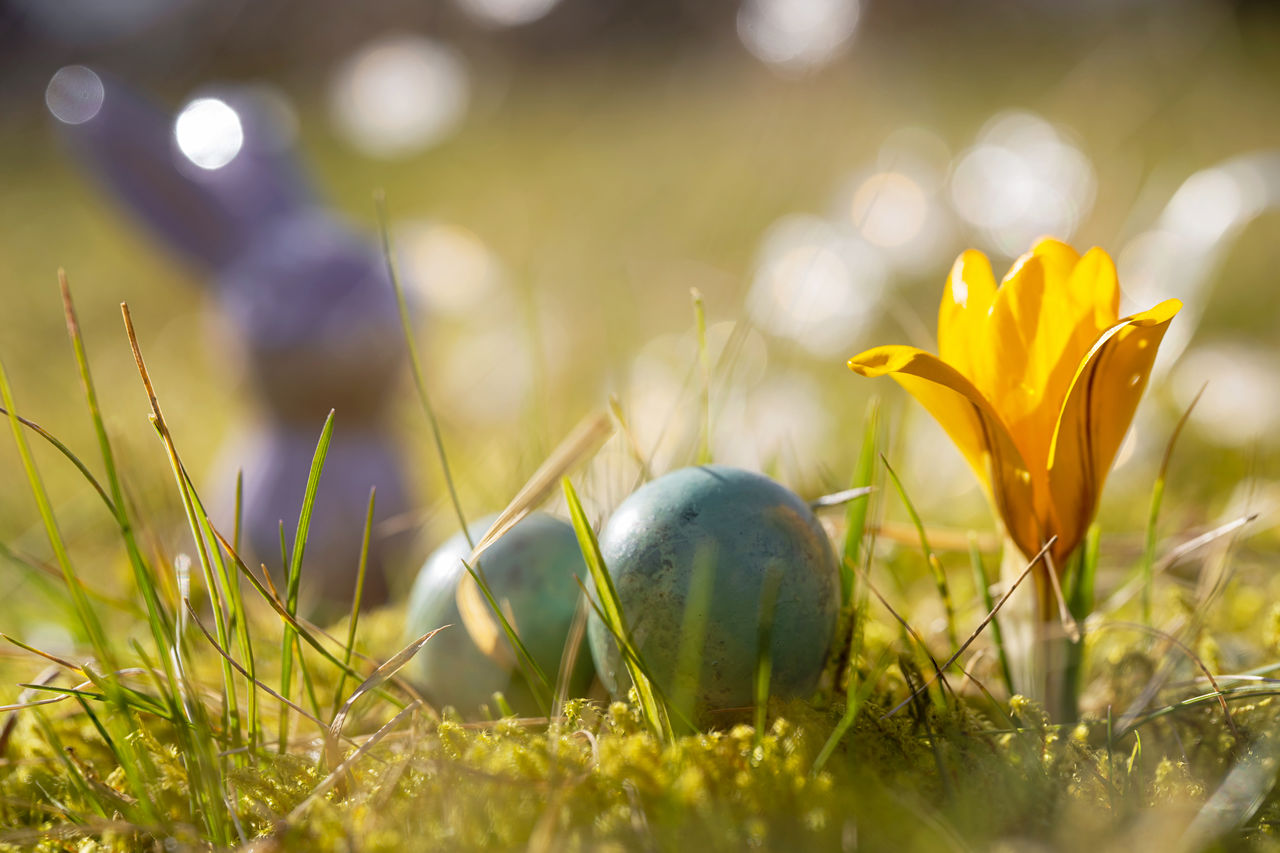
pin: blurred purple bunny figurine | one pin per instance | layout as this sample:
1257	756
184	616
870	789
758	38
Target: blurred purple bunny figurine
310	300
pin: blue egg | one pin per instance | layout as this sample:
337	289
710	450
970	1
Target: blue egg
531	569
749	533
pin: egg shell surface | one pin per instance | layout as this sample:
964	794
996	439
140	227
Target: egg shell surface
741	526
530	569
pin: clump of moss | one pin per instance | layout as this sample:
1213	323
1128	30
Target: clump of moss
902	782
938	771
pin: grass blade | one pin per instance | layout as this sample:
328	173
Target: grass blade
159	617
356	599
293	577
85	613
379	676
57	444
856	695
415	363
628	650
569	658
288	618
1081	601
469	608
856	513
288	703
580	444
206	786
1242	792
477	618
1153	514
704	367
340	771
983	582
693	631
935	565
764	647
611	611
977	632
633	444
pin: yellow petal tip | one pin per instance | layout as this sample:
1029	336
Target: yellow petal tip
882	360
1162	313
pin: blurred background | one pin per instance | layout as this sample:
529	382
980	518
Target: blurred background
559	175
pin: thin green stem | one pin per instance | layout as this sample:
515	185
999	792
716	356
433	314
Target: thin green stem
764	647
415	364
983	582
1153	512
704	364
294	577
856	512
357	597
693	632
610	609
931	558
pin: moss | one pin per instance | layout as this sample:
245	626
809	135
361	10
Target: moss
929	774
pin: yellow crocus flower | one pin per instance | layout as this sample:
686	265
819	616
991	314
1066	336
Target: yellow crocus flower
1036	381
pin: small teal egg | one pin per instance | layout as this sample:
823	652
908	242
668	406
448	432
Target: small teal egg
741	527
532	569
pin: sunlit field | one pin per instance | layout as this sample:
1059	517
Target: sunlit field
623	247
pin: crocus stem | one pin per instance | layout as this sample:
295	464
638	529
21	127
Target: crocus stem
1049	650
1062	653
1072	669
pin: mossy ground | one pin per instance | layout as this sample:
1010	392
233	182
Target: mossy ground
954	769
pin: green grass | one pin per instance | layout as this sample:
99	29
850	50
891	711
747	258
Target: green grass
158	727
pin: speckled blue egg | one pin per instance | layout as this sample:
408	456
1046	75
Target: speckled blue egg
531	567
745	526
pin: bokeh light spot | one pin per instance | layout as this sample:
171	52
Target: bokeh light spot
449	268
209	133
771	425
815	284
1178	255
797	35
399	95
1236	408
896	206
1022	179
506	13
74	94
1207	205
491	375
918	152
890	209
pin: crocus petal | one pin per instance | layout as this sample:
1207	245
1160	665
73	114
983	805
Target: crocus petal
972	424
1010	366
1057	258
1094	282
962	316
1043	322
1098	410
